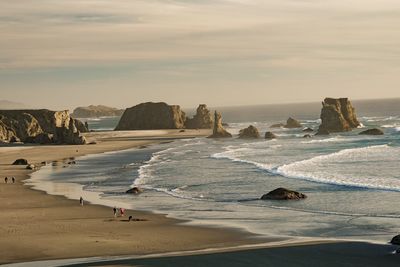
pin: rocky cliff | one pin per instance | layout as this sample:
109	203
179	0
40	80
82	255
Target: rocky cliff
96	111
40	126
218	129
202	120
337	115
151	116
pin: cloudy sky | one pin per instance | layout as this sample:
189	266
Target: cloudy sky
64	53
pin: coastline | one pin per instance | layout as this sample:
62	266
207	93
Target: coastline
36	226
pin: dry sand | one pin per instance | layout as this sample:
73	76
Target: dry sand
36	226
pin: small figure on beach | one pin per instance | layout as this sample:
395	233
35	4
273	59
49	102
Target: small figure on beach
13	180
130	218
122	212
115	212
81	201
6	180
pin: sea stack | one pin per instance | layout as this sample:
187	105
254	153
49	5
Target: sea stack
218	130
152	116
249	132
292	123
337	115
41	126
202	120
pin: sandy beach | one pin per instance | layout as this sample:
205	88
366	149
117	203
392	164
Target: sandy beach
36	226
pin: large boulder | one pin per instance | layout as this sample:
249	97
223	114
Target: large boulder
218	130
292	123
249	132
93	111
395	240
202	120
338	115
269	135
152	116
20	162
374	131
283	194
36	125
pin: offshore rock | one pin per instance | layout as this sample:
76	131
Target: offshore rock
152	116
283	194
218	130
374	131
292	123
93	111
202	120
249	132
338	115
270	135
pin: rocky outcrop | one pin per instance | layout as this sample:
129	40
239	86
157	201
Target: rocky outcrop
39	126
20	162
277	125
202	120
152	116
218	130
338	115
134	191
292	123
96	111
283	194
395	240
322	131
270	135
249	132
374	131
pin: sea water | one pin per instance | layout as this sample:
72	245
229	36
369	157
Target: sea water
352	181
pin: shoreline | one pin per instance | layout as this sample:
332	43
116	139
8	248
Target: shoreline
19	244
38	226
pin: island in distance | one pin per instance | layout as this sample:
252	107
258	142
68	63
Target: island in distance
93	111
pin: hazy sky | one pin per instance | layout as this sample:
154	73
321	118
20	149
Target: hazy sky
64	53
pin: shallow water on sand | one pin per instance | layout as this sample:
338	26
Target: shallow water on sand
352	181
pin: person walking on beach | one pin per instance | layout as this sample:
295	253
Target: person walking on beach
6	180
13	180
115	212
81	201
122	212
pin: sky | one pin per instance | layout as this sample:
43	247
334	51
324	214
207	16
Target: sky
67	53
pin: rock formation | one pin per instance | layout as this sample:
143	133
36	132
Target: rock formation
292	123
134	190
20	162
283	194
374	131
308	130
218	130
40	126
249	132
270	135
395	240
152	116
322	131
96	111
337	115
202	120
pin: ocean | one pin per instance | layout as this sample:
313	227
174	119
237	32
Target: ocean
352	181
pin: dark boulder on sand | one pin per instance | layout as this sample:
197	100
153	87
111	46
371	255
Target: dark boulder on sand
134	190
283	194
249	132
395	240
374	131
20	162
270	135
